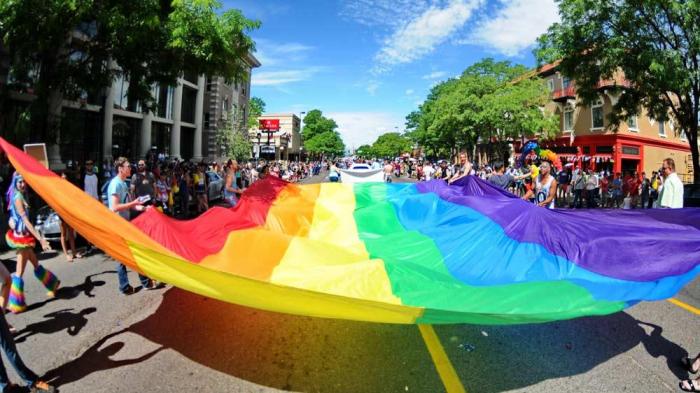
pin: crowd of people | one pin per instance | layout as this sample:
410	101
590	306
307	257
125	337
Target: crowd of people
571	187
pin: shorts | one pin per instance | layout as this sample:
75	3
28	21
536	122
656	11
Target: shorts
19	241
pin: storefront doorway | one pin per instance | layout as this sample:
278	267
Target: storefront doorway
629	166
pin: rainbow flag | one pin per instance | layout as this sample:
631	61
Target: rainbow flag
396	253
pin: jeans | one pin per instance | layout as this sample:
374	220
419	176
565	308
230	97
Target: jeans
124	279
8	345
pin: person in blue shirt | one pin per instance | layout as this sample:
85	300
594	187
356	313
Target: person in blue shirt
118	201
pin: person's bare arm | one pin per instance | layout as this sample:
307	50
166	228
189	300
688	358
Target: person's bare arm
19	207
117	206
551	196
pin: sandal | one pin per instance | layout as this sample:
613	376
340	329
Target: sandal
689	385
687	364
79	255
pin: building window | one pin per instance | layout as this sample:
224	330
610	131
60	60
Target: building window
597	115
568	118
207	116
662	128
630	150
632	124
224	105
565	82
208	83
550	84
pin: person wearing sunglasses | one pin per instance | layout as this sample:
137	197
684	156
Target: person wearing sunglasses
671	196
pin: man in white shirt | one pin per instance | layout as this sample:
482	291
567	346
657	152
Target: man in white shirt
90	180
672	192
591	188
428	171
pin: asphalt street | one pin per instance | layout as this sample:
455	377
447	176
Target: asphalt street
90	338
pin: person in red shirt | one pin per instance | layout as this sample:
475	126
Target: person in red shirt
633	189
604	182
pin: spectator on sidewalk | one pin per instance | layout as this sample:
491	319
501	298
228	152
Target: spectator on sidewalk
671	196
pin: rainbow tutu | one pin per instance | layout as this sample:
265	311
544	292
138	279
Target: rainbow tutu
19	241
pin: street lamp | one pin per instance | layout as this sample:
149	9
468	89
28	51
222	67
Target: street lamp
301	128
257	157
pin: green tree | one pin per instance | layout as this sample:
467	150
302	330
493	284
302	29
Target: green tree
364	151
489	101
64	49
315	123
391	144
328	144
654	44
233	138
256	108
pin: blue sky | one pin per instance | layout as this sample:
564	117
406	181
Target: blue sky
368	63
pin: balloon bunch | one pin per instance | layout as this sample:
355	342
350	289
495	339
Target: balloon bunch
542	154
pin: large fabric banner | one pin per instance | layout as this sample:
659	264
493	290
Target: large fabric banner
396	253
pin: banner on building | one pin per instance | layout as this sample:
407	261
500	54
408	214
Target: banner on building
270	124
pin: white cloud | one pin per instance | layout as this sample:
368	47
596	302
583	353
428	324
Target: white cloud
363	128
515	27
409	92
274	53
372	88
422	34
386	13
281	77
435	75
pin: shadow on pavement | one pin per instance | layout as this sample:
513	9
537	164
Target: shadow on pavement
501	358
67	293
94	359
323	355
291	352
57	321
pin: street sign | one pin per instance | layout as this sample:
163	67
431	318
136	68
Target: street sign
270	124
267	149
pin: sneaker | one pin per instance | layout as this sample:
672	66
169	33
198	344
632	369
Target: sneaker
128	290
41	387
153	284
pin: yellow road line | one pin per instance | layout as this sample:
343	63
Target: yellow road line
684	306
442	362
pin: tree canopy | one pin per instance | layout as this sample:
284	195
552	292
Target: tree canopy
390	145
315	123
490	100
328	144
256	107
654	44
65	49
320	135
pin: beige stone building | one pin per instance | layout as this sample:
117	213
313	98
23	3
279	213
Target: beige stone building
639	145
284	144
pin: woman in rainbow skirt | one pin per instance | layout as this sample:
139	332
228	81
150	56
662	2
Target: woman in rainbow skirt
21	237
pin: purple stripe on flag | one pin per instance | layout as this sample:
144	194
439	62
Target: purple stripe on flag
636	245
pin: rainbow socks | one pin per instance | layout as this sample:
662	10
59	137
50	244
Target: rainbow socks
47	278
16	302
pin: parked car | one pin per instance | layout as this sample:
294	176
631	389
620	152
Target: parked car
48	224
691	195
